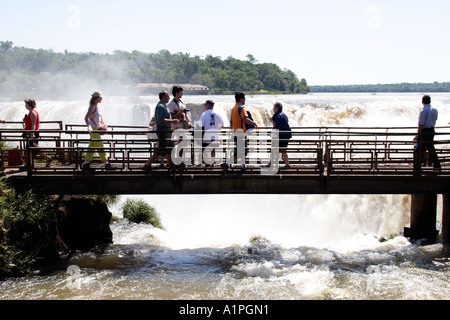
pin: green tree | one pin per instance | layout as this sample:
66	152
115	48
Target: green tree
6	45
251	59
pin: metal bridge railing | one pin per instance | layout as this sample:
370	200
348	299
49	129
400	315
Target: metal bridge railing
312	151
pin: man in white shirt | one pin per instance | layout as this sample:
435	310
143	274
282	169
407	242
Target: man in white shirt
425	131
212	123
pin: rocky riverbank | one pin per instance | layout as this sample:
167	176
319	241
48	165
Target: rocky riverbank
37	232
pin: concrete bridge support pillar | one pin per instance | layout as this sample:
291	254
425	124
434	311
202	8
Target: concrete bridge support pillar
423	218
446	220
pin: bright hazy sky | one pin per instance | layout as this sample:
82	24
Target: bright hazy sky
323	41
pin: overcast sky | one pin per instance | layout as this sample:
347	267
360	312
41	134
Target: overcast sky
323	41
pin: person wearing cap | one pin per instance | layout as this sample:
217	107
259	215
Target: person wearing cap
93	119
211	123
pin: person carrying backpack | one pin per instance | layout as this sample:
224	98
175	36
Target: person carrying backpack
241	119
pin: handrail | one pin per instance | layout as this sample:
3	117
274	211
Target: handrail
45	123
312	150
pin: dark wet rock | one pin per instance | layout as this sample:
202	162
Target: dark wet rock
84	223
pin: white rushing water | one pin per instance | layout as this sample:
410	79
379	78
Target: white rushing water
255	246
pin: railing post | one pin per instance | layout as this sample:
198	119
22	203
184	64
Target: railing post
2	165
446	220
320	161
374	160
28	156
329	162
417	159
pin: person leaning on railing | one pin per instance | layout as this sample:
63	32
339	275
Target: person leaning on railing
280	121
425	131
240	119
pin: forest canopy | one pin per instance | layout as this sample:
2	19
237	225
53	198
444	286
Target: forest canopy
45	72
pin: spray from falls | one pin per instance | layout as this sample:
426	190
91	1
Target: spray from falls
289	220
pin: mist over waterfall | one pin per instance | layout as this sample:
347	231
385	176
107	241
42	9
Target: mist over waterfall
312	110
331	221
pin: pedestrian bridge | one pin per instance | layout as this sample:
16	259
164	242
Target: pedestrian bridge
323	160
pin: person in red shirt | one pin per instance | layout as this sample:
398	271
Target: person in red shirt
31	122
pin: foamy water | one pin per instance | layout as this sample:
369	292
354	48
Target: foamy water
256	246
318	109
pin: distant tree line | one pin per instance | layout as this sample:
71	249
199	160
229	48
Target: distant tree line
398	87
24	70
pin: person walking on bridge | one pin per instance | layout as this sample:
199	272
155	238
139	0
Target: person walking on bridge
163	121
31	123
425	131
93	120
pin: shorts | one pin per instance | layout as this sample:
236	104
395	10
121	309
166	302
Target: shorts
165	142
32	143
236	145
282	144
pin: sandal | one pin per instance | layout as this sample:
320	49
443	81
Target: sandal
109	167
